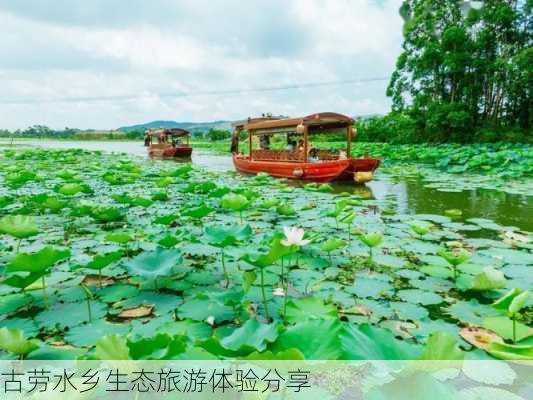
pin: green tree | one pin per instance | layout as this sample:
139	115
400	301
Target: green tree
465	65
218	134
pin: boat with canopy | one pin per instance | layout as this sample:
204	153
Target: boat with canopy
168	142
300	159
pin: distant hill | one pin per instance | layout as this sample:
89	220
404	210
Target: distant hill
190	126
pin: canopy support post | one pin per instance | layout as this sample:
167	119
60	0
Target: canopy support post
235	140
250	144
306	145
349	135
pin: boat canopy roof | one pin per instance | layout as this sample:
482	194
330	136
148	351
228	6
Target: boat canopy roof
178	132
324	120
238	125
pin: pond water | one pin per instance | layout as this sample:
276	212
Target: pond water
406	195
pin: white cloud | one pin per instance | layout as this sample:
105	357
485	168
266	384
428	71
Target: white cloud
137	59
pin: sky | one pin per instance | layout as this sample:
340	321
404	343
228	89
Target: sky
107	63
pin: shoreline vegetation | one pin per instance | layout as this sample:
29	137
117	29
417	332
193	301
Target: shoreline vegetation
512	160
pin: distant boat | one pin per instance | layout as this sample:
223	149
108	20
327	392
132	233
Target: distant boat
300	160
171	142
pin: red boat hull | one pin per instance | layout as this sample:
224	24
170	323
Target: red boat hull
170	151
325	171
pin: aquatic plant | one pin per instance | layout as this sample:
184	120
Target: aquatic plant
222	237
176	275
371	240
454	258
512	303
235	202
19	227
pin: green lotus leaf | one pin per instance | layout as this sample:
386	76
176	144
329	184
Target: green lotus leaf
12	302
442	346
23	281
503	326
408	311
19	226
506	351
70	189
160	196
187	327
107	214
37	262
333	340
198	212
220	236
159	347
252	335
13	341
286	210
164	182
347	218
236	202
260	260
65	315
418	385
471	312
518	302
201	308
325	188
489	279
269	203
111	294
26	325
370	287
249	277
455	258
19	179
420	227
54	204
112	347
504	302
372	239
119	237
168	241
166	219
417	296
87	335
309	308
100	261
5	200
151	264
288	355
182	171
332	244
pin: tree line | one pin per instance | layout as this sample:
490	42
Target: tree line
465	74
42	131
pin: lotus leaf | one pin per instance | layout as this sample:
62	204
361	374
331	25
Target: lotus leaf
19	226
151	264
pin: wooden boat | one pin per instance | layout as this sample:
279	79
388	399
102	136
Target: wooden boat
302	161
173	142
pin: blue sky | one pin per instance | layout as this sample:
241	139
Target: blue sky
107	63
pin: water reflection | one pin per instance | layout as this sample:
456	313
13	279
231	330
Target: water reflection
404	195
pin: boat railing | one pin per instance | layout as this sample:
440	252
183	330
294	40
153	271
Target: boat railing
326	155
159	145
277	155
294	155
